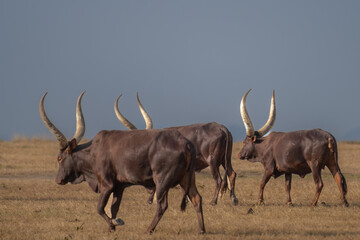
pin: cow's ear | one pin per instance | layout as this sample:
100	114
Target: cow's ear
253	138
72	145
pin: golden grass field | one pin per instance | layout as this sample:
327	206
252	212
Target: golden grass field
33	206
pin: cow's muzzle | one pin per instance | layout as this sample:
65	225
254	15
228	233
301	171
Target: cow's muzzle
241	157
60	181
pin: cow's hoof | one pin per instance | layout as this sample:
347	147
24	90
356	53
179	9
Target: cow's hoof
150	232
261	203
111	228
118	222
235	201
202	232
346	204
213	203
289	204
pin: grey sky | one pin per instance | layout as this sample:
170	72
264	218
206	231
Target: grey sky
190	61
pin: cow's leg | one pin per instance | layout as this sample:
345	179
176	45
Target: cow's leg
103	199
151	196
117	196
318	183
228	181
195	199
217	178
288	187
224	184
162	204
264	180
230	176
340	181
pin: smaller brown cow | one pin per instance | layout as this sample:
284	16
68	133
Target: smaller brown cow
115	160
213	145
300	152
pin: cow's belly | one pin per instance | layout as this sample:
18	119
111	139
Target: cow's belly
200	164
136	180
136	176
301	168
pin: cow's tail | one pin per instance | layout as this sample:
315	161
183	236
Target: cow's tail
190	154
227	159
333	148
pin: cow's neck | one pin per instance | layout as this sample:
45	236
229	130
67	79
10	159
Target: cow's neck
264	148
261	149
85	164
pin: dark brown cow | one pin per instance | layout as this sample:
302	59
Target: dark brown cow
288	153
114	160
213	144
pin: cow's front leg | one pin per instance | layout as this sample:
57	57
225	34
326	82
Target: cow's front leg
288	188
103	199
264	180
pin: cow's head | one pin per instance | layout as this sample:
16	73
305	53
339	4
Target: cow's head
127	123
249	150
68	166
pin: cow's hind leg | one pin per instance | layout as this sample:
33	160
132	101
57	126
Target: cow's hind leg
340	181
162	204
288	188
229	181
195	199
217	179
232	178
318	183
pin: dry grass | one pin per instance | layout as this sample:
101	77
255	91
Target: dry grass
32	206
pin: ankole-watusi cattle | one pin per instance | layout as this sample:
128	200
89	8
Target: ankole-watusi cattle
213	145
300	152
114	160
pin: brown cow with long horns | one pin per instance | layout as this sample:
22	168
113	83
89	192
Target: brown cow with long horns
114	160
213	145
300	152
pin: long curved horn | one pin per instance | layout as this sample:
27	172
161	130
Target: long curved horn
272	116
122	119
51	127
245	116
148	121
80	123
